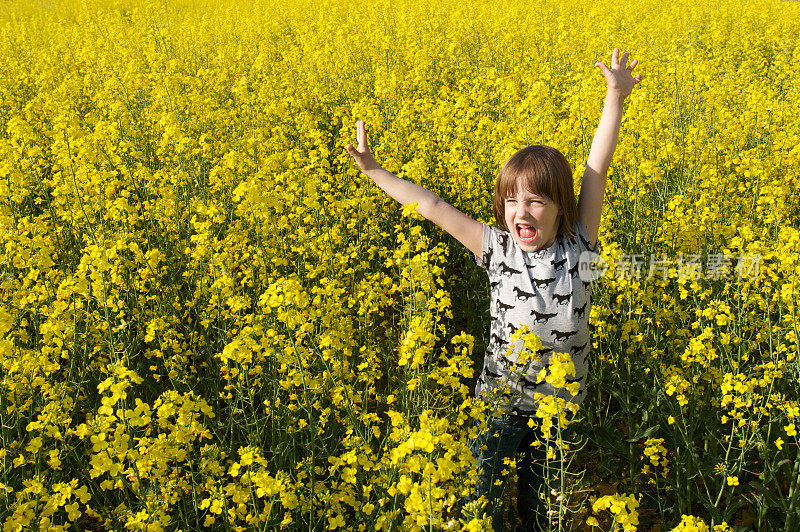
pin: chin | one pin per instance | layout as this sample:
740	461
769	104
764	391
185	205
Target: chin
529	246
537	245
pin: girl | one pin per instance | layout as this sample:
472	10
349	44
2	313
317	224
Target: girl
533	266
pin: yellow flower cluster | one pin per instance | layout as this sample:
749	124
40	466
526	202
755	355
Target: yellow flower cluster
623	509
690	523
656	454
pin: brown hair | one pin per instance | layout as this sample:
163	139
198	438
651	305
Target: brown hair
545	172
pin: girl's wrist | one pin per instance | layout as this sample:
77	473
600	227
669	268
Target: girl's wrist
614	94
379	174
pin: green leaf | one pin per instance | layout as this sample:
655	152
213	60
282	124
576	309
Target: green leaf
770	496
731	509
608	438
644	433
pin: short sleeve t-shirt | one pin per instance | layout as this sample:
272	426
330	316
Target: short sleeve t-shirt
544	291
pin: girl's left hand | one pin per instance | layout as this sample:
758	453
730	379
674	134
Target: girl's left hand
620	78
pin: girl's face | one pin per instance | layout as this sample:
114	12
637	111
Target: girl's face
531	219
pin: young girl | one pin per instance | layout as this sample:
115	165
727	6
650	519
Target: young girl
532	263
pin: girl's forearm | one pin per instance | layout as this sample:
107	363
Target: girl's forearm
607	134
404	191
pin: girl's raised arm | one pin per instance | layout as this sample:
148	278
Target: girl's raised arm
620	84
463	228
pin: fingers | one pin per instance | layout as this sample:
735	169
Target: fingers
614	75
362	152
617	61
361	136
603	69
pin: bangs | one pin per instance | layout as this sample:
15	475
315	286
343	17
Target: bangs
536	180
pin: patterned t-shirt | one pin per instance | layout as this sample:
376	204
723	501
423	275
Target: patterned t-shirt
543	290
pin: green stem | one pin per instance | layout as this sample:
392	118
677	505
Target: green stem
794	489
794	494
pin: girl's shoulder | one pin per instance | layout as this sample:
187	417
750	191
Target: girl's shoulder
579	238
497	245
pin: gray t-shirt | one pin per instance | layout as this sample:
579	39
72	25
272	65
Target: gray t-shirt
543	290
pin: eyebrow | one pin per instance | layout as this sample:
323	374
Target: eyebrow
532	196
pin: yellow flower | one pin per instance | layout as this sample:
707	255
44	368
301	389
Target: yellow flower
690	523
623	507
410	211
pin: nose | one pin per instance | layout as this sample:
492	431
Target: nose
521	209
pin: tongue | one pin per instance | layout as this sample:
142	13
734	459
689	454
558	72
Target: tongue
527	232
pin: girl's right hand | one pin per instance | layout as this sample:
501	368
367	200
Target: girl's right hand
362	155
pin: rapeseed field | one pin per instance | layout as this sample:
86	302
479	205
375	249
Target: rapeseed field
211	320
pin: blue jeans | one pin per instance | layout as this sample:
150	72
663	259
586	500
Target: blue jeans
503	438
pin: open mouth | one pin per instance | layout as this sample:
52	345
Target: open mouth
526	233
